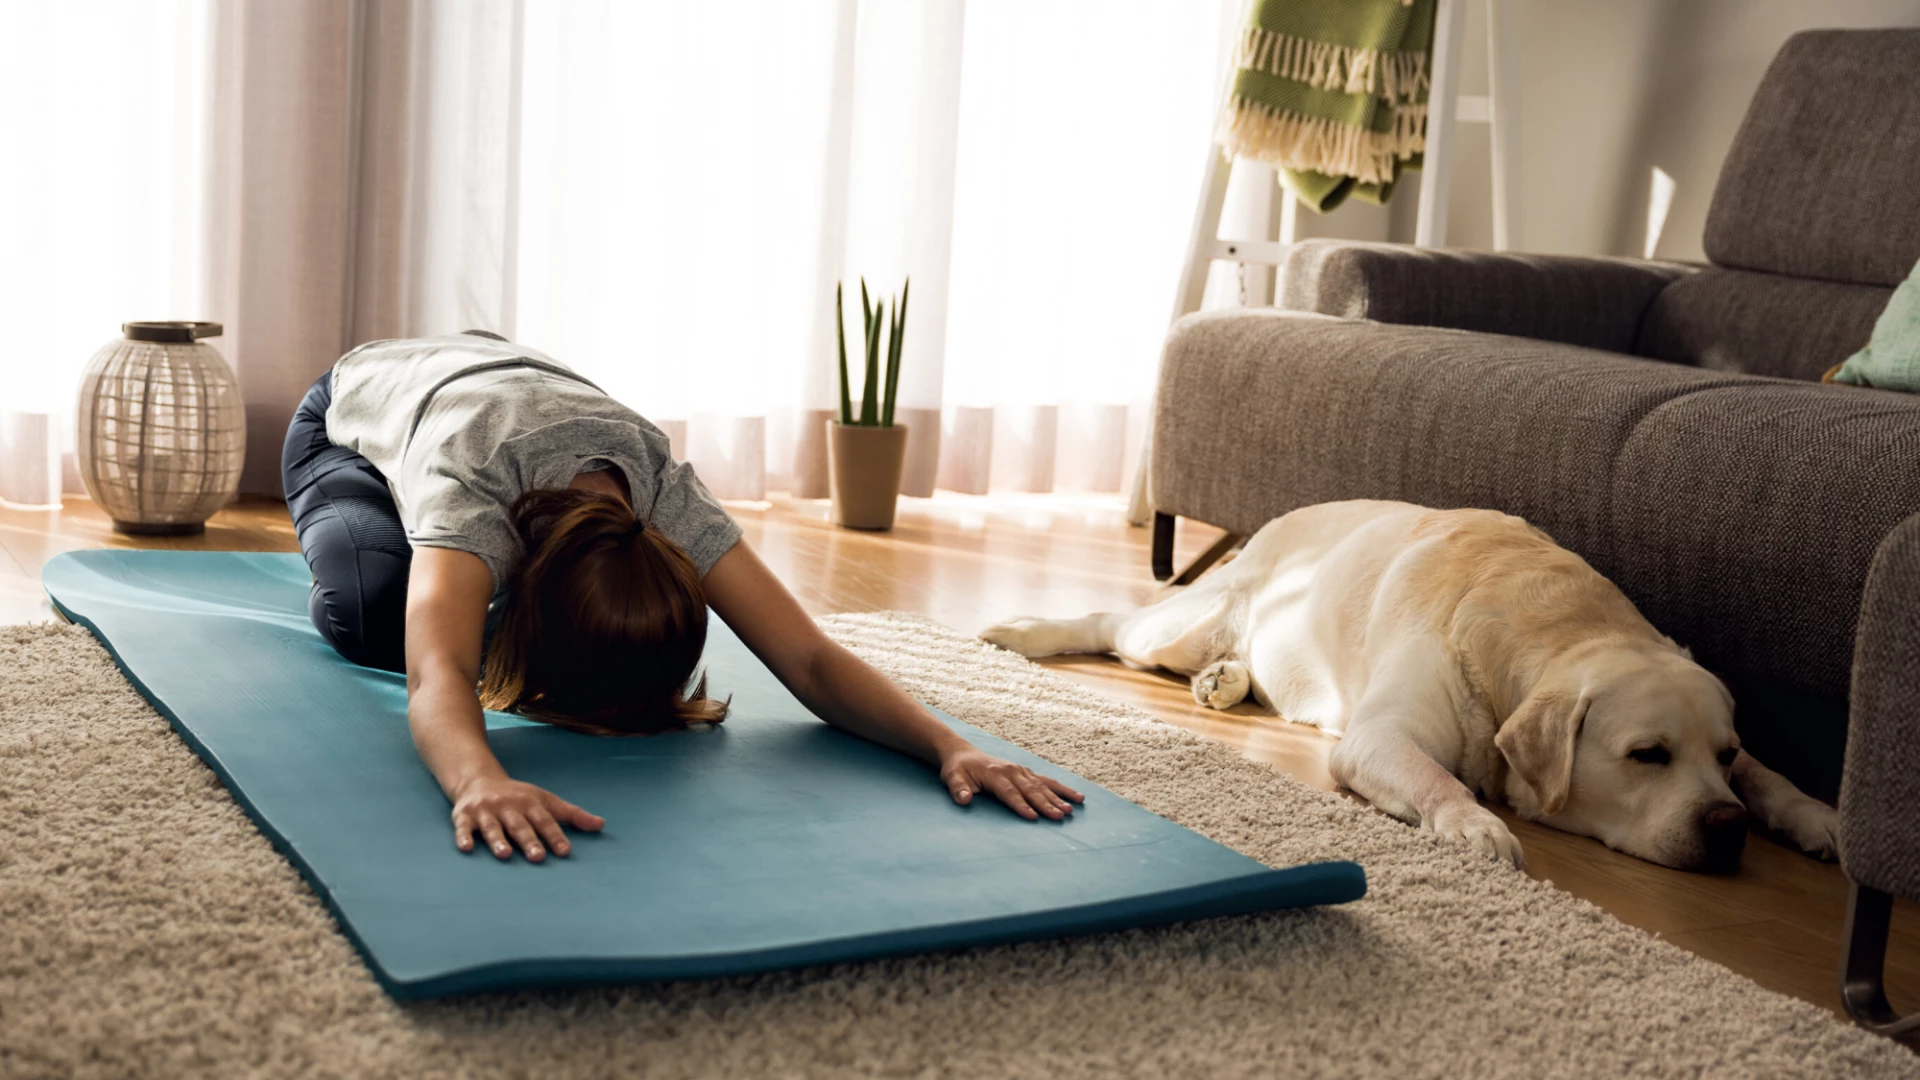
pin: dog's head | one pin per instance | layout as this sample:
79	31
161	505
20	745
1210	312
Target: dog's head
1633	746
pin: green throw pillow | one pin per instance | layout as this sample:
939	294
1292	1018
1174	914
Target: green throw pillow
1891	360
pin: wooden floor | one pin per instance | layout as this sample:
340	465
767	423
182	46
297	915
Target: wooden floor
970	561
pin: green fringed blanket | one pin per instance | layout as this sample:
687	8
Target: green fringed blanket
1333	93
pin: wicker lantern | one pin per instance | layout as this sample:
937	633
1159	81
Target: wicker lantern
162	431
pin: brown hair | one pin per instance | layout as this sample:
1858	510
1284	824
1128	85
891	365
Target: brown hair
603	625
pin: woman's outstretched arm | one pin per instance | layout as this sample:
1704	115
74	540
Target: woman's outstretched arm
850	695
447	594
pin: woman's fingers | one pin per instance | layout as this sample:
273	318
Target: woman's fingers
961	788
573	815
496	839
1009	793
1040	797
523	835
1065	805
548	829
509	814
1062	790
1025	792
1040	800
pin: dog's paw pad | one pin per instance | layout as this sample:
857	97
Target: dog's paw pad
1222	684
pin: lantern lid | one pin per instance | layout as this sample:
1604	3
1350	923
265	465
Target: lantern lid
170	331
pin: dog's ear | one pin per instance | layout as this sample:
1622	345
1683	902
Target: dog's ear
1726	695
1538	743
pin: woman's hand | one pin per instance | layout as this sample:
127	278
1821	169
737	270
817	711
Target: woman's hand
1027	793
447	593
497	808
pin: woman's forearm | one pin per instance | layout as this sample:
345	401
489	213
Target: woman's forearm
855	698
842	690
848	694
447	595
828	679
450	732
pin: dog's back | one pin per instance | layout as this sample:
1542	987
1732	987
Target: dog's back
1333	592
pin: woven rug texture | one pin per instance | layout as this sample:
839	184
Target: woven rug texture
147	930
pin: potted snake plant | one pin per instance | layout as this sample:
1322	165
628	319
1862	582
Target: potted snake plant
867	452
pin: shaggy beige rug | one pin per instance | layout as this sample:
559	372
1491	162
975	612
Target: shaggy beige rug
146	930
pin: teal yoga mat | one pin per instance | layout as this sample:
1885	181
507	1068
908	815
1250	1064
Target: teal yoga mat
771	841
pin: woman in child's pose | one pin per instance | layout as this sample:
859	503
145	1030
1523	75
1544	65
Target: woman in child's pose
446	487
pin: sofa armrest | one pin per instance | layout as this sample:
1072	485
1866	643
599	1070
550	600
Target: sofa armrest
1880	790
1596	303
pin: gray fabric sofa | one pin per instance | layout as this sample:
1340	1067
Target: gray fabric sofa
1665	421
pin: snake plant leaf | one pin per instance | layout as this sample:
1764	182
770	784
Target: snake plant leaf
893	367
840	328
893	357
870	396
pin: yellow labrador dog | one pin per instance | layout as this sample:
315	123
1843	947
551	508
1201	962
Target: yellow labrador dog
1458	652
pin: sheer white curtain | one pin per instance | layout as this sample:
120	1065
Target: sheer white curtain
1081	143
663	194
696	178
103	117
673	196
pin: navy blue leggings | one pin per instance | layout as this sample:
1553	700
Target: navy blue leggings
350	532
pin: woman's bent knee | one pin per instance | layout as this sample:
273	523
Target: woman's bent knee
365	620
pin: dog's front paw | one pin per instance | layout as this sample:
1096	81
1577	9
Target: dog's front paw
1222	684
1812	826
1478	828
1028	637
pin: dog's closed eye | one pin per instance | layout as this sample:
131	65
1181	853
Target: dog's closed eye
1651	755
1725	757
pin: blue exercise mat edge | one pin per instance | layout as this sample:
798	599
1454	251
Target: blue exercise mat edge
1314	884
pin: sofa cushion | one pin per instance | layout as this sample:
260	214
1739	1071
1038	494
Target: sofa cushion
1821	179
1744	519
1761	324
1260	412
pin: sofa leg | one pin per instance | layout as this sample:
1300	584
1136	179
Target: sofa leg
1162	546
1863	988
1226	543
1163	552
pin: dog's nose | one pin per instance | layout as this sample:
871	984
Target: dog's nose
1724	828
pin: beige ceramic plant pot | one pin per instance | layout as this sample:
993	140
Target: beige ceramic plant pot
863	466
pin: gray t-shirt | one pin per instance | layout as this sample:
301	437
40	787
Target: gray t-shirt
462	425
